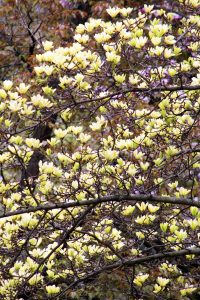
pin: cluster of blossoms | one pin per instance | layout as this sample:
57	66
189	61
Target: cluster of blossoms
109	120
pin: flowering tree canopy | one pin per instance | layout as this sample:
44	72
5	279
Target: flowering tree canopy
99	162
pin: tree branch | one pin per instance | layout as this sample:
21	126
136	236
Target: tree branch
150	89
136	261
116	198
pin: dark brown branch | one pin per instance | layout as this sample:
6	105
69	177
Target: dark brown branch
116	198
42	132
152	90
136	261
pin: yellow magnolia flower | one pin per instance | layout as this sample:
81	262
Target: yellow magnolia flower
158	50
134	79
196	80
60	133
163	281
183	192
35	279
3	94
22	89
80	29
124	34
138	154
172	72
164	226
193	224
126	11
135	251
52	289
177	51
79	77
4	157
132	170
84	85
65	81
159	29
128	210
181	234
120	78
171	151
48	90
84	138
113	11
75	184
140	180
100	121
140	279
110	154
28	221
142	206
157	288
7	85
148	8
158	161
142	220
112	57
169	40
40	101
153	208
39	70
80	196
109	29
102	37
46	167
14	105
32	143
173	228
89	27
138	42
173	185
194	211
59	60
144	166
13	96
168	53
81	38
156	40
47	45
48	70
187	291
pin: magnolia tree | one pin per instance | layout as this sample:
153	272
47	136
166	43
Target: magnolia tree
99	161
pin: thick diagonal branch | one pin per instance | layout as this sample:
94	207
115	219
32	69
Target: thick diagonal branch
132	198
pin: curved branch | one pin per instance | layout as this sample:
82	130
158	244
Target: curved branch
116	198
140	90
133	262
